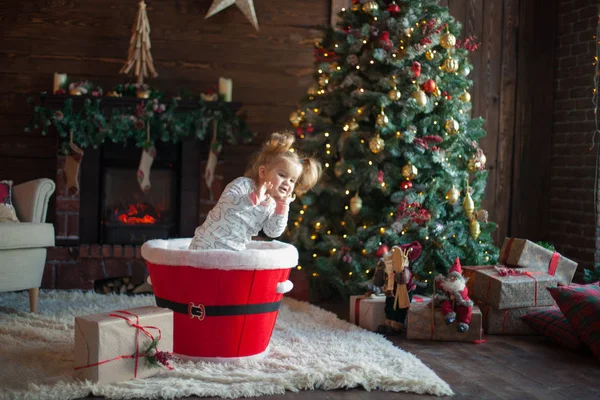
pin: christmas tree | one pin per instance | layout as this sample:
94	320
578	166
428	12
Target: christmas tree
139	55
390	118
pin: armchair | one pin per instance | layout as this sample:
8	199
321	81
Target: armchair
23	244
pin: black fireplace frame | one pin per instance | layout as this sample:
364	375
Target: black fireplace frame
185	160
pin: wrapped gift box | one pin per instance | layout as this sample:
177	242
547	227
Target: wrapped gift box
105	344
421	325
507	322
525	289
367	311
526	254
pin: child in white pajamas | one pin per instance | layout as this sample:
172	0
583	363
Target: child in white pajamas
260	199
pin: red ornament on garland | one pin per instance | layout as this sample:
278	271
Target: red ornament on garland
382	250
429	86
405	185
393	8
310	129
416	69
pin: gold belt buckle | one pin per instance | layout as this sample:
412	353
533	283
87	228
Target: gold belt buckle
196	311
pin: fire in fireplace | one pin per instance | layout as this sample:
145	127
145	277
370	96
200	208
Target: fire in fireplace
132	216
139	213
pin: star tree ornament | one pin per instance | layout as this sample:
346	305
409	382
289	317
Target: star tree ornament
245	6
376	144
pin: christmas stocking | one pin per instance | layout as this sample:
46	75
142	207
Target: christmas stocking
143	173
211	164
72	164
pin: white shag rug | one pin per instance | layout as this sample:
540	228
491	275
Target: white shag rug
310	349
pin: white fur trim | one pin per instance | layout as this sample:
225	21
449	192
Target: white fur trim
284	287
258	356
258	255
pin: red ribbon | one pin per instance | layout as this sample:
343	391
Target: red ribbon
357	309
535	287
139	328
504	320
553	263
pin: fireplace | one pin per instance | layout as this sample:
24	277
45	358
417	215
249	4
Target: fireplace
114	210
132	216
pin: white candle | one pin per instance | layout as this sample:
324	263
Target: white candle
60	82
225	88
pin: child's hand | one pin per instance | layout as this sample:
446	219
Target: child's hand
263	191
286	200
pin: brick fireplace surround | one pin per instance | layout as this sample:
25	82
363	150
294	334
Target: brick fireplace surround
79	266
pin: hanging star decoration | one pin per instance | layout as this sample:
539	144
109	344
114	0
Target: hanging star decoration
246	6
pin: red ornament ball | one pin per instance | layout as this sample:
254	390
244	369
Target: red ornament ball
429	86
405	185
393	8
381	251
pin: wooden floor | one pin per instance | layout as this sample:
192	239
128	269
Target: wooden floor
505	367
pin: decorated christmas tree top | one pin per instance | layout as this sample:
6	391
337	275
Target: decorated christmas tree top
390	117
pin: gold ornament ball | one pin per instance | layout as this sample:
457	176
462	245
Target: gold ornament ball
452	126
447	40
312	90
420	97
376	144
450	65
466	97
295	118
452	195
437	92
429	55
394	94
323	80
355	204
477	163
487	258
382	119
370	6
409	171
468	205
474	228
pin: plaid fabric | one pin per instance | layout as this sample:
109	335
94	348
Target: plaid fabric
554	325
581	306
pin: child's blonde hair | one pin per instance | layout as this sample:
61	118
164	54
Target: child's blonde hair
278	147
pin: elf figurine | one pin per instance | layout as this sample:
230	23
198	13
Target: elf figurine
453	297
393	274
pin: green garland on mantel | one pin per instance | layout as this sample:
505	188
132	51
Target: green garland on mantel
91	127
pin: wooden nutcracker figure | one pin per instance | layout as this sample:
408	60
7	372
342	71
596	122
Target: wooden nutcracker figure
393	274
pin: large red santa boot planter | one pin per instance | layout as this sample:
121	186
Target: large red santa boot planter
453	297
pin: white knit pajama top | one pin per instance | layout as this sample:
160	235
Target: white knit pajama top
237	217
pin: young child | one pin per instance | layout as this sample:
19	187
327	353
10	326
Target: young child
260	199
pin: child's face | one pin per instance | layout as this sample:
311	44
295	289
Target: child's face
283	175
